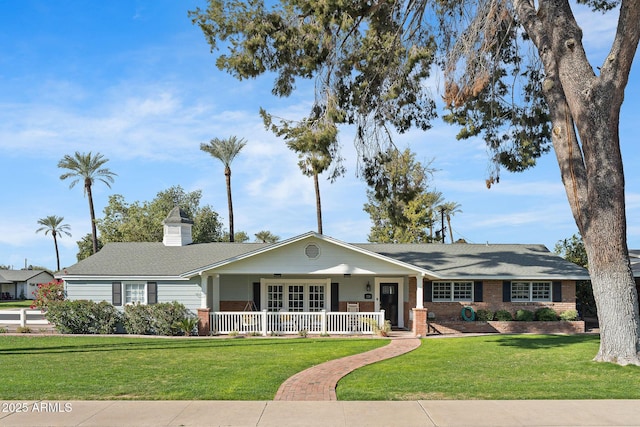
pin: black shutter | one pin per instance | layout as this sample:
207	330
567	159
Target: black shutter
335	299
116	293
506	291
256	295
477	291
557	291
152	293
427	291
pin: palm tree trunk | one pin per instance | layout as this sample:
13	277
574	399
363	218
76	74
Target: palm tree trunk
94	232
227	174
450	229
55	243
318	204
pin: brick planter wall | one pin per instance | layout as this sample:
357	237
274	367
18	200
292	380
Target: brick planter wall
537	327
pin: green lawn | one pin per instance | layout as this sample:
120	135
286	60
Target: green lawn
93	367
495	367
487	367
16	304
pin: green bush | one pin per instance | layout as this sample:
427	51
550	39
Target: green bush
546	314
569	315
167	318
83	317
137	319
156	319
524	315
503	315
484	315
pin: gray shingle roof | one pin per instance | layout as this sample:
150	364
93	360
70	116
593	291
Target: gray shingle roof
10	276
446	261
156	259
482	261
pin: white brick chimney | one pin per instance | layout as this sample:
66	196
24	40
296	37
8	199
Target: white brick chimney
177	228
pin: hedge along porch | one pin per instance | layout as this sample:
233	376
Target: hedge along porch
313	273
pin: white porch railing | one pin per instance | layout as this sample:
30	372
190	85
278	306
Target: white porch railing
23	317
292	323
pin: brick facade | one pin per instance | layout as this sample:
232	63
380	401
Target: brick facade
492	300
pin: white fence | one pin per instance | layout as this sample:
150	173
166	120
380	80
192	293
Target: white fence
288	323
23	317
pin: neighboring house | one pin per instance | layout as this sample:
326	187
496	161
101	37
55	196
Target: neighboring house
315	273
21	284
634	258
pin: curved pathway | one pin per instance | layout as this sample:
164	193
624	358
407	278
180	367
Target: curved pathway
319	382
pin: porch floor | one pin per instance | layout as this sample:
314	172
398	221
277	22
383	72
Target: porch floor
319	382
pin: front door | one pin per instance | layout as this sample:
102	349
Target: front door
389	302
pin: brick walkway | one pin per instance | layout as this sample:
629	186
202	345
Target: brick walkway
319	382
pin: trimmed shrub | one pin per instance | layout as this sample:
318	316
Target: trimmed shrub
484	315
546	314
137	319
569	315
83	317
524	315
167	318
503	315
156	319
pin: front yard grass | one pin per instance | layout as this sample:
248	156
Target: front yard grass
485	367
495	367
102	368
16	304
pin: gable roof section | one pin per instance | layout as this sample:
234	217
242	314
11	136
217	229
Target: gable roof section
493	261
310	236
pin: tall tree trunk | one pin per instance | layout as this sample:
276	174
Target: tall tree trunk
55	243
318	205
450	229
227	174
92	213
592	173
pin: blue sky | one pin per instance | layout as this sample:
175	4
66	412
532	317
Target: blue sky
135	81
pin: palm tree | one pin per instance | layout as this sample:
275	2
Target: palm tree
88	168
53	224
226	150
266	236
450	209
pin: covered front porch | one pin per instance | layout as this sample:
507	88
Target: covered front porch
311	284
335	305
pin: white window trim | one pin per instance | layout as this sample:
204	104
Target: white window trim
530	283
451	284
305	282
144	292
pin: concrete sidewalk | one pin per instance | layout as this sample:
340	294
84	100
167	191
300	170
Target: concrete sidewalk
325	413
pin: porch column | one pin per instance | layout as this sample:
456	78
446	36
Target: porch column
419	291
204	321
204	278
420	322
215	293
